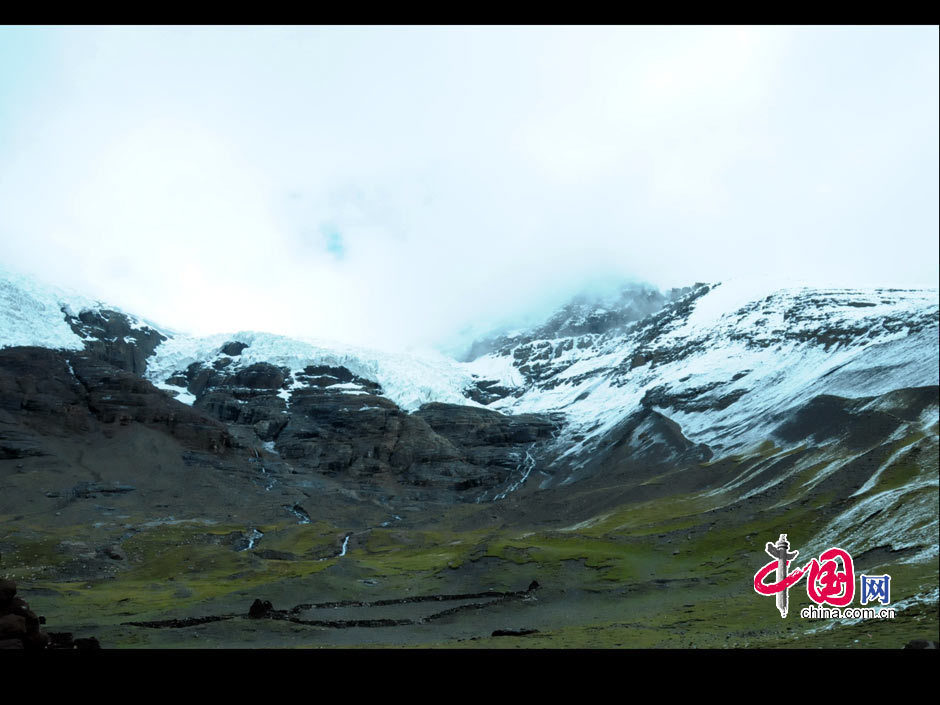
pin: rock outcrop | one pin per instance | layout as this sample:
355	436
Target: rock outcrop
111	337
332	422
48	392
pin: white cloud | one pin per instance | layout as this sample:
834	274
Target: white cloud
199	176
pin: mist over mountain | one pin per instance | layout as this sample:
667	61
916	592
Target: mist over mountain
393	186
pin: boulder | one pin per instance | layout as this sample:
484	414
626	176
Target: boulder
12	626
233	348
260	609
7	591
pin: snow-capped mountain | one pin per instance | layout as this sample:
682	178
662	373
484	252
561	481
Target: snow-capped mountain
685	427
725	362
802	392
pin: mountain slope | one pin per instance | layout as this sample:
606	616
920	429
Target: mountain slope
626	445
723	362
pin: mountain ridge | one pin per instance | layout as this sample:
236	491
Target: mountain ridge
682	355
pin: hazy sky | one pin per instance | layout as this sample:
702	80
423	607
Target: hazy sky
396	186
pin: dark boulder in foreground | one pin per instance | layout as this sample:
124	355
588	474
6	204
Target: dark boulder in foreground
19	625
260	609
514	632
64	640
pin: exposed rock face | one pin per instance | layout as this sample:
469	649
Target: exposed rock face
37	394
124	397
487	391
324	420
49	392
234	348
328	420
111	337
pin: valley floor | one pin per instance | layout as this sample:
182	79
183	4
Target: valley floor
654	573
